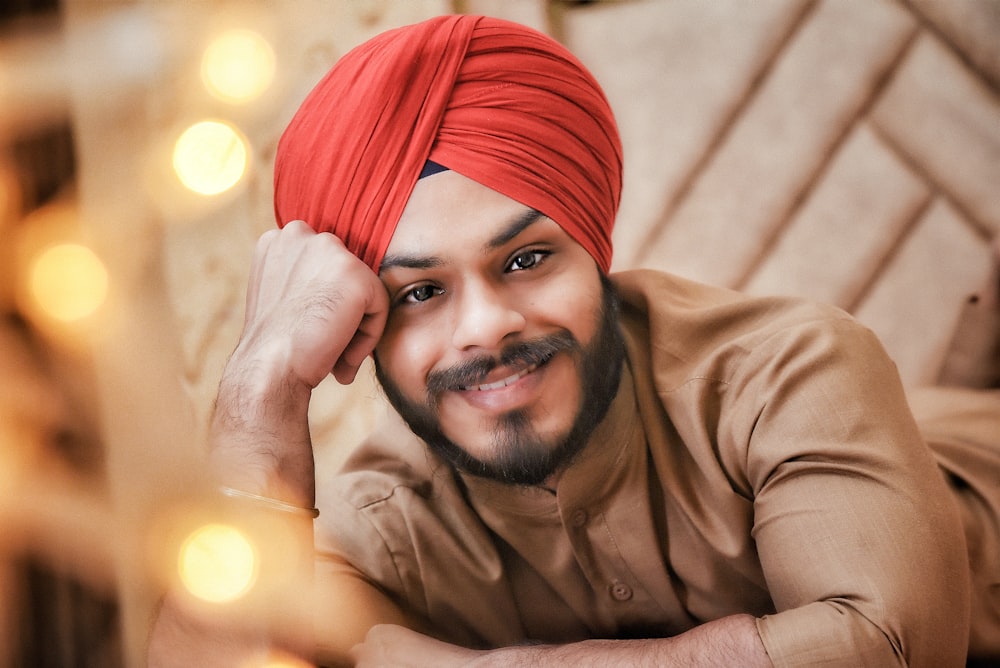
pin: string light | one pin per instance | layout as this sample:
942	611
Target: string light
210	157
217	563
68	282
238	66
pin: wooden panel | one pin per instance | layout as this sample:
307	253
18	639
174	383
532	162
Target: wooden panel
774	150
948	123
677	74
915	304
970	27
789	147
836	244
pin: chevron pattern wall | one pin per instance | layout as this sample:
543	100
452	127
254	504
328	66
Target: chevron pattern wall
843	151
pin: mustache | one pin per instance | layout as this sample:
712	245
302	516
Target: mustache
474	371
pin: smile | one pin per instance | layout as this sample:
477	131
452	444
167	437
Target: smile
504	382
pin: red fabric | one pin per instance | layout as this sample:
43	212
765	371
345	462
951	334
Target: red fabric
495	101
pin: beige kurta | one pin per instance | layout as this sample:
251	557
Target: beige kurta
760	457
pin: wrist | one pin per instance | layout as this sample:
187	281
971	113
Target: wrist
263	473
269	503
259	435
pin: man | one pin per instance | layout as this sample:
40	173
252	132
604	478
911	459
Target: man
634	470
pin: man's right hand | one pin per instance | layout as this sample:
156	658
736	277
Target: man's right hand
312	309
311	305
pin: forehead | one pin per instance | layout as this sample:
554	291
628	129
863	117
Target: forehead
447	207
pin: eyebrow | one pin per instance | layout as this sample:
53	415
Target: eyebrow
516	226
508	233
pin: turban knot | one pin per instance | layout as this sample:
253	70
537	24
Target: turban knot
501	104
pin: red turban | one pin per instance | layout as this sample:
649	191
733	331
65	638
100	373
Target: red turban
501	104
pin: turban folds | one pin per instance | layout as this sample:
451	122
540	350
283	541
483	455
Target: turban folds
501	104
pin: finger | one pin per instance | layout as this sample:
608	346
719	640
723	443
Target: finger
256	269
272	242
347	366
367	335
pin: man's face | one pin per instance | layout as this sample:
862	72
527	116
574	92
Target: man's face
501	349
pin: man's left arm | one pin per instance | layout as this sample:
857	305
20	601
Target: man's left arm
729	641
859	539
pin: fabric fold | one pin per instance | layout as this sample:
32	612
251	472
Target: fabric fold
498	102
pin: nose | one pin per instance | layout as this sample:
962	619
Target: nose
485	316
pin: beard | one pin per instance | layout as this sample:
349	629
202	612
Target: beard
522	456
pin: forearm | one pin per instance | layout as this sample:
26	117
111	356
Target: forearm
730	641
258	444
259	436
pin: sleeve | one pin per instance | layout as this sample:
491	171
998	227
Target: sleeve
396	548
348	602
859	540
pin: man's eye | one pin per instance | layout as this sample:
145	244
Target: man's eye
421	293
526	260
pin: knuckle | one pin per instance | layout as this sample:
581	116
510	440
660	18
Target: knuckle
296	225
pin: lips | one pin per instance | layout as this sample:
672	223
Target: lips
503	382
515	361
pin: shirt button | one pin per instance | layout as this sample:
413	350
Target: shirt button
620	591
579	518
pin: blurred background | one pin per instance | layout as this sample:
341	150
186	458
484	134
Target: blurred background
844	151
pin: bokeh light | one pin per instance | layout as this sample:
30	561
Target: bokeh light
217	563
210	157
68	281
238	66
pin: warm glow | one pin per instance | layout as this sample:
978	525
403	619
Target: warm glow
238	66
210	157
217	563
9	193
68	282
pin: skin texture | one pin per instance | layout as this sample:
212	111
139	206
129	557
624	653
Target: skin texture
468	273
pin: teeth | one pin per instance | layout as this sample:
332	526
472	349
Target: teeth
503	382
